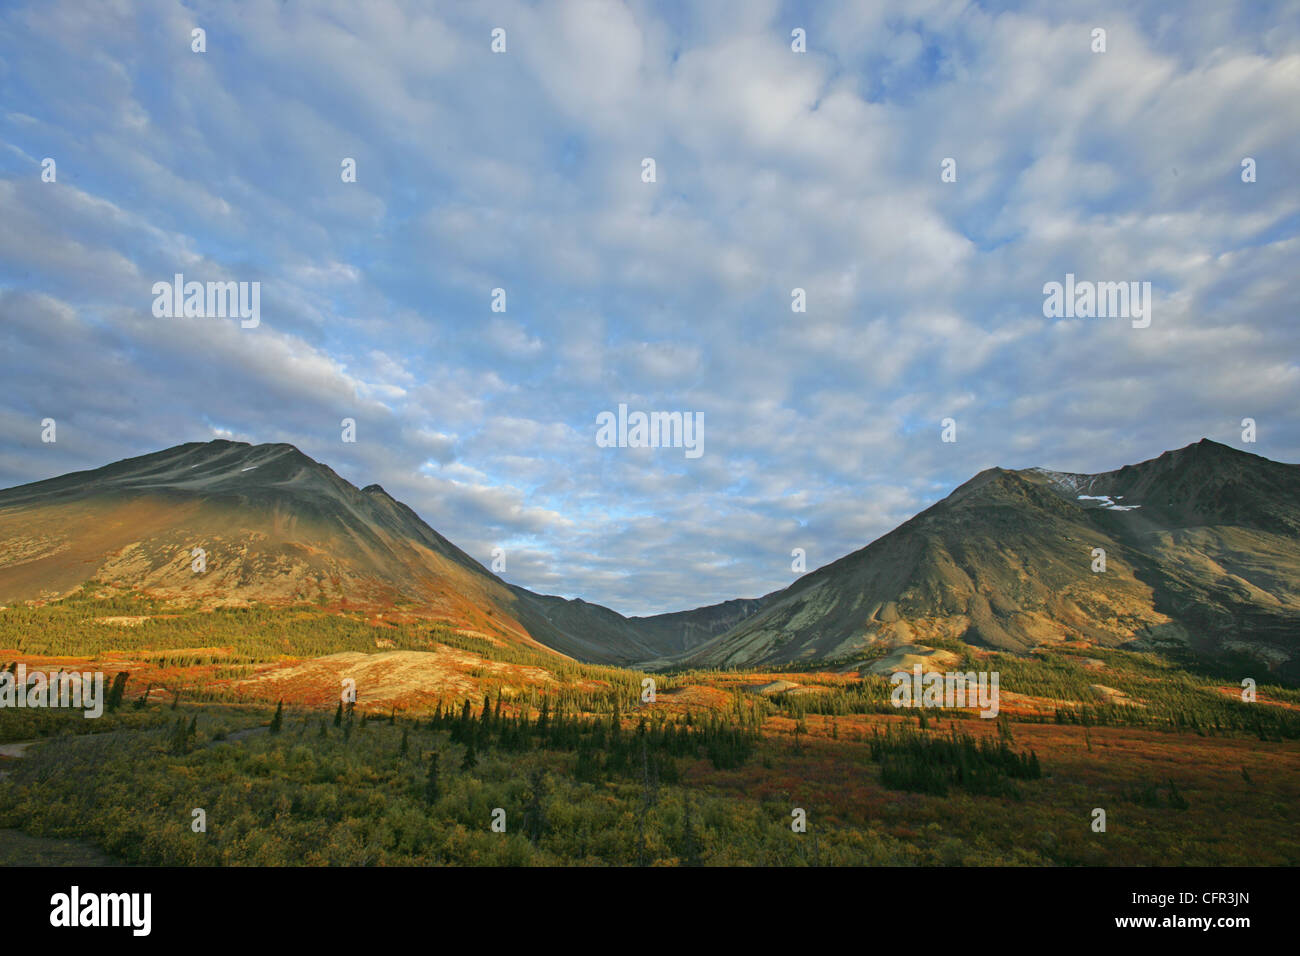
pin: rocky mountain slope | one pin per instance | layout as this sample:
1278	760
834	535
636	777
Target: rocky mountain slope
1202	549
277	527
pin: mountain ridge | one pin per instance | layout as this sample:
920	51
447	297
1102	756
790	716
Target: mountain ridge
301	524
1194	539
1005	561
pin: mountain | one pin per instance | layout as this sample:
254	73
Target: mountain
1202	549
277	527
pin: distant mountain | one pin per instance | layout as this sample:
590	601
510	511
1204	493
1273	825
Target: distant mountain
278	527
1202	549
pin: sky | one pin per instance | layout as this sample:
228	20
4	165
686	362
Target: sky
774	170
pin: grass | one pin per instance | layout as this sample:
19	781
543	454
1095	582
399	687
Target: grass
710	773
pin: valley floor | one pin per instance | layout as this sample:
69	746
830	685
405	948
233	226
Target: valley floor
229	745
316	794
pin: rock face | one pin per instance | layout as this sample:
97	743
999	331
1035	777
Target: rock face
1202	548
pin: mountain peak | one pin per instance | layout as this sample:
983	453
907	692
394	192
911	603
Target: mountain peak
1205	453
1209	445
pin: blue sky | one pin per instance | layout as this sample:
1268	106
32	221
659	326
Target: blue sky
775	170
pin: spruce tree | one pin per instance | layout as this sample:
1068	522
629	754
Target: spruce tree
432	789
116	691
180	739
535	823
278	720
690	842
464	719
543	717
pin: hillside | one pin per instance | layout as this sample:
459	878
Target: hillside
279	528
1202	553
1202	549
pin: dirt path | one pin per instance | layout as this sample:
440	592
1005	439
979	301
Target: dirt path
240	735
13	751
19	849
16	749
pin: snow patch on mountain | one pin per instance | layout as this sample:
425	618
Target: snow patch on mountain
1108	503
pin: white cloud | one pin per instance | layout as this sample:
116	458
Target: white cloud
776	170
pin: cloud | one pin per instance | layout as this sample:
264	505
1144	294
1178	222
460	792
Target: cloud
775	171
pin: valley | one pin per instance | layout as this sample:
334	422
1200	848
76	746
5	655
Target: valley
341	685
